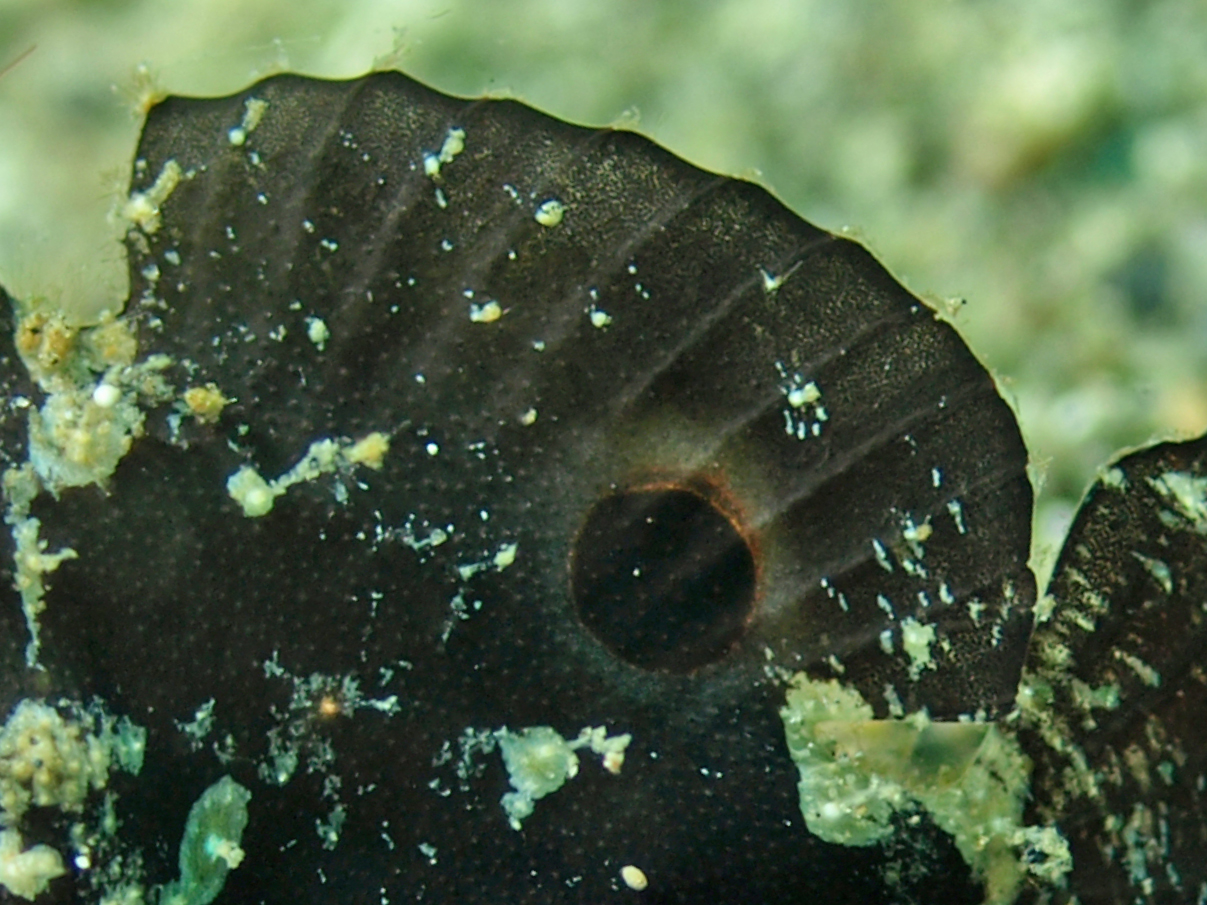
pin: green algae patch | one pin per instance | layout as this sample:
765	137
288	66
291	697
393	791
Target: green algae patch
856	772
210	847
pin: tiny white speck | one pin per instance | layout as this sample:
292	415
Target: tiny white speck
799	396
882	555
433	449
600	318
770	281
106	395
528	418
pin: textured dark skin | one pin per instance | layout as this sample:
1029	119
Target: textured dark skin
1100	574
178	598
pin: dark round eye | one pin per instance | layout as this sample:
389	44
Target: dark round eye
662	578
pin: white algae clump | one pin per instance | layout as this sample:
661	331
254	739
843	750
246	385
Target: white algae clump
539	761
856	772
256	496
210	847
27	873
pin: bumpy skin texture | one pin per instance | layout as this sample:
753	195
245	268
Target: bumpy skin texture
722	303
1129	588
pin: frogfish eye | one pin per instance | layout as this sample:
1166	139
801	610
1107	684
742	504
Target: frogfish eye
663	578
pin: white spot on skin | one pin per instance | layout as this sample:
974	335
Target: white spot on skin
506	556
1158	569
634	877
886	641
801	396
317	332
882	555
485	314
528	418
771	282
956	510
550	213
599	318
916	639
805	414
433	449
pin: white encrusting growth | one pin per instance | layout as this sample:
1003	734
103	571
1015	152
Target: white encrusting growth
539	761
48	760
502	558
454	144
142	208
257	496
90	418
856	772
916	639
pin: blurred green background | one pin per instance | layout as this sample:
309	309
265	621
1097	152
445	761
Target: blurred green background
1045	160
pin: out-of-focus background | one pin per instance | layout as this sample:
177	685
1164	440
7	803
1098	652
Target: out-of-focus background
1044	160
